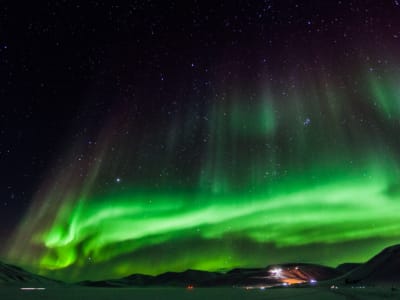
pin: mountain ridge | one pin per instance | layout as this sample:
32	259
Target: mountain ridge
381	269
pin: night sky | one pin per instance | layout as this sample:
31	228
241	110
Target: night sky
166	135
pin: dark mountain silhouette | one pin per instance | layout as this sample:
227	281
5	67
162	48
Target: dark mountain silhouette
178	279
347	267
383	269
270	276
132	280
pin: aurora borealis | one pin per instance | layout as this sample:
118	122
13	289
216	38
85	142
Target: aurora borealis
278	155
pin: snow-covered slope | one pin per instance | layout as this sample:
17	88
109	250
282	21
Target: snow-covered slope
12	275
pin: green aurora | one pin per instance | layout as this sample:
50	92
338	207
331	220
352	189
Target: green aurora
261	177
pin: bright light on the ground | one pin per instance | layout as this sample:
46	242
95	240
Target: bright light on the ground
277	272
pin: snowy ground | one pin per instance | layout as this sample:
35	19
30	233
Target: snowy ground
197	293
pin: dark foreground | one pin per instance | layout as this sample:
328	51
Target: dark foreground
197	293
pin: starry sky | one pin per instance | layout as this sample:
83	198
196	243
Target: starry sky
156	136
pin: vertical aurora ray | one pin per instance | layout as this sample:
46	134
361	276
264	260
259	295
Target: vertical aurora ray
385	95
287	171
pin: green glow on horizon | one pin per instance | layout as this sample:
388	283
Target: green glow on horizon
215	219
291	172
